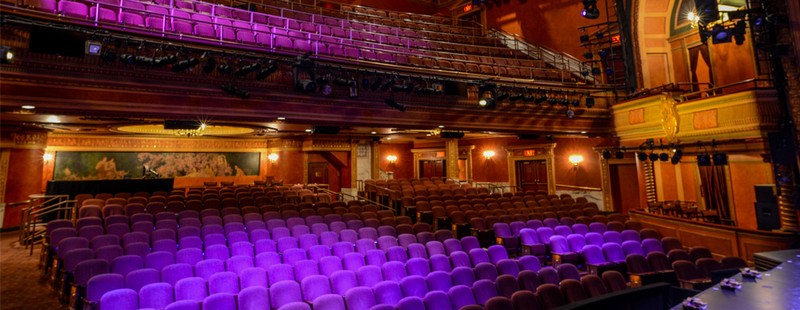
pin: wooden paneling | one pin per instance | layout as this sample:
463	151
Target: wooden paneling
721	240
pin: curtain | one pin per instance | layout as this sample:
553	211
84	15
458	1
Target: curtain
715	190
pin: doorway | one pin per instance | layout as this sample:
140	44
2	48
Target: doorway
318	173
531	175
432	169
624	187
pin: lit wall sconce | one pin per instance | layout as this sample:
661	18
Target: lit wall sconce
273	157
47	157
391	158
575	160
488	154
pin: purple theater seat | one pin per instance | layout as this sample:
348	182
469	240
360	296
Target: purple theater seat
344	280
576	242
549	275
305	268
417	250
580	229
266	245
405	240
460	259
359	298
253	298
329	302
131	19
171	274
412	303
73	9
284	292
562	230
652	245
293	255
300	229
550	296
435	248
597	227
594	239
507	267
506	285
155	295
478	256
286	243
221	301
469	243
136	279
632	247
568	271
253	276
463	276
371	275
529	263
189	256
393	271
330	264
109	252
386	242
217	251
308	240
341	248
328	238
452	245
612	236
191	289
125	264
158	260
243	248
101	284
91	231
630	234
279	273
122	299
317	252
348	235
460	296
223	282
353	261
528	280
414	286
614	253
486	271
439	281
417	266
165	245
387	293
387	231
440	263
206	268
397	254
314	286
376	257
544	234
497	253
184	305
364	245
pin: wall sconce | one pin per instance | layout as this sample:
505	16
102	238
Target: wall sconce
273	157
488	154
575	160
47	157
391	158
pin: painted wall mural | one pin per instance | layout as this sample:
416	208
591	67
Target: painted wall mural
133	165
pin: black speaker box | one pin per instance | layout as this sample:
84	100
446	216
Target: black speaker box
326	130
452	134
528	136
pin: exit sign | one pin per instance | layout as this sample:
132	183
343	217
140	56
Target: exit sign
529	152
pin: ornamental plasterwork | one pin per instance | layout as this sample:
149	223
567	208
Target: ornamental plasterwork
71	142
316	144
669	118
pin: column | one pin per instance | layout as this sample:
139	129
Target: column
451	157
376	159
21	167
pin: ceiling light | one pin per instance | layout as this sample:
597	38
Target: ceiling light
373	132
583	132
590	10
389	138
6	55
281	118
53	119
441	126
309	130
28	107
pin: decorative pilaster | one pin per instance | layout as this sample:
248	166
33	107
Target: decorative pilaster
649	181
605	177
376	159
353	164
786	205
451	157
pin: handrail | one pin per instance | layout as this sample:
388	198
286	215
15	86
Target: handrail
558	60
41	207
720	90
502	188
587	188
355	197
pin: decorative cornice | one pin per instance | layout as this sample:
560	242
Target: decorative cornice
59	142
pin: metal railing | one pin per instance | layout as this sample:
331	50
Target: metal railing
341	196
558	60
42	209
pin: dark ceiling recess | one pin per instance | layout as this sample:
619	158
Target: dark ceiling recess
179	124
326	130
452	134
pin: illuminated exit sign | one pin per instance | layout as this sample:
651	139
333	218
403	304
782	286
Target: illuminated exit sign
529	152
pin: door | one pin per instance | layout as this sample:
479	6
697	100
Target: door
532	175
624	187
432	169
318	173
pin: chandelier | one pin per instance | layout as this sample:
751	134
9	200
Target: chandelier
188	133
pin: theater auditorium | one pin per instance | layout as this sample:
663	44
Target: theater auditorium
406	154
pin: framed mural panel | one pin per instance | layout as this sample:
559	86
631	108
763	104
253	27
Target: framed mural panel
135	165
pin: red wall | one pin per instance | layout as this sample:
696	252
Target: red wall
550	23
288	167
489	170
403	168
24	179
588	173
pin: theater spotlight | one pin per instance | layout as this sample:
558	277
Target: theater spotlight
6	55
641	156
703	160
619	154
606	154
602	53
720	159
394	104
540	98
596	71
487	96
271	68
224	69
184	65
247	69
231	89
375	84
663	157
738	32
387	85
209	64
584	38
653	157
570	113
676	156
590	10
306	86
589	101
588	55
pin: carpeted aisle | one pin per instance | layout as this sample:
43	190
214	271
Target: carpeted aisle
21	284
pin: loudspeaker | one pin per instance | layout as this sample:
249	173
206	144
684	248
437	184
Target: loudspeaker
767	216
326	130
452	134
528	136
766	193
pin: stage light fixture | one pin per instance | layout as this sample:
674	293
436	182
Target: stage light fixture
619	154
6	55
376	84
209	64
387	85
570	113
720	159
541	98
487	103
502	96
609	71
663	157
599	35
344	82
720	35
184	65
703	160
306	86
271	68
606	154
108	56
603	53
235	91
247	69
596	71
515	97
676	156
224	69
653	157
641	156
589	101
584	38
590	10
394	104
487	96
588	55
738	32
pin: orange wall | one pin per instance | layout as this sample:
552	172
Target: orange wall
403	168
489	170
744	176
732	63
624	188
668	181
553	24
288	167
689	181
588	173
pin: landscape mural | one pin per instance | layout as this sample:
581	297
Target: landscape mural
134	165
